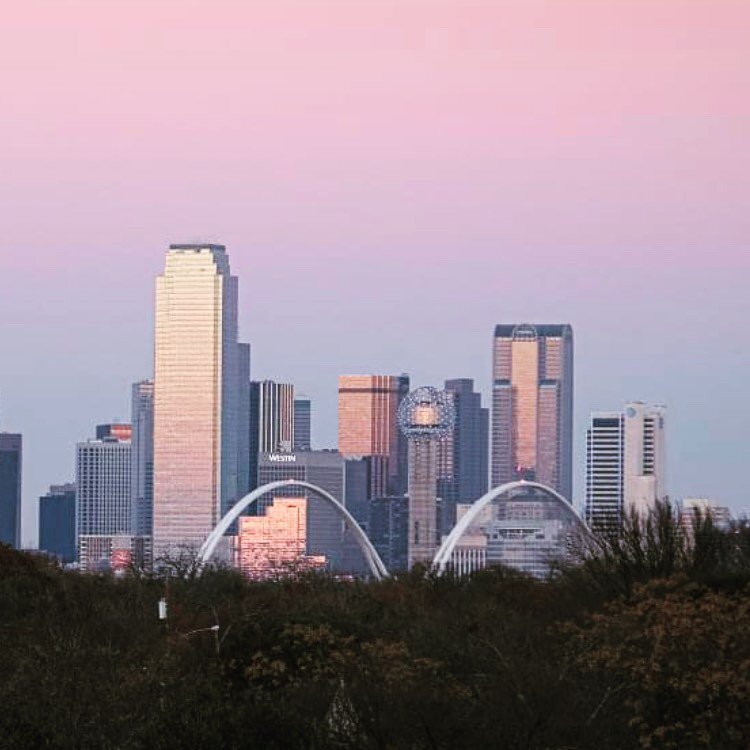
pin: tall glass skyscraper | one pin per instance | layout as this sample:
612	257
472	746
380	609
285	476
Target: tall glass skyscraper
368	408
10	488
201	419
532	405
272	425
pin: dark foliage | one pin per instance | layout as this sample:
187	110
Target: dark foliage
644	644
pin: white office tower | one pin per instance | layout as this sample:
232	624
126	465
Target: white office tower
625	463
201	399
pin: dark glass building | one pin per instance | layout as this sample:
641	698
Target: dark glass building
302	424
463	456
57	522
10	488
388	529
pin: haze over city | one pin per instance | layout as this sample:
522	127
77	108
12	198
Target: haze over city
388	190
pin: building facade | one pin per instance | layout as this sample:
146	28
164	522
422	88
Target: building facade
463	455
532	405
368	426
324	469
302	424
271	421
625	463
201	424
275	544
57	522
142	458
388	529
11	463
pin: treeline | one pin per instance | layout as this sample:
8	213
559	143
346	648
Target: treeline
644	644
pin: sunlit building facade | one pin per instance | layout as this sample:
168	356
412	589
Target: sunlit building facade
201	404
532	405
368	408
275	544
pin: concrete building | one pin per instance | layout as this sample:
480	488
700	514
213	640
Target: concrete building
693	509
463	455
625	463
11	463
201	420
302	424
57	522
426	416
142	458
114	553
532	405
368	408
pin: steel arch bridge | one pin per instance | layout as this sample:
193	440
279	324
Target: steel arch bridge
444	553
377	568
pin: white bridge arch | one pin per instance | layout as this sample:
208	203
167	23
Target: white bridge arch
377	568
444	554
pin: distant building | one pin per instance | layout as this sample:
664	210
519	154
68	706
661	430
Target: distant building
368	408
103	496
464	453
302	424
271	421
426	417
625	463
57	522
107	553
324	469
693	508
117	430
526	529
201	419
11	460
388	529
532	405
142	458
275	544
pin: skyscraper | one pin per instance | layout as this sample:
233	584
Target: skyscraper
200	415
271	421
368	408
57	522
302	424
625	463
142	457
10	488
532	405
464	453
118	430
103	495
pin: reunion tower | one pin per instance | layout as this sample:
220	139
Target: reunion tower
425	416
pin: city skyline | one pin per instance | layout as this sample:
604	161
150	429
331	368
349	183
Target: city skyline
406	180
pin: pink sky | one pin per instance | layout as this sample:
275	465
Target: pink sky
460	162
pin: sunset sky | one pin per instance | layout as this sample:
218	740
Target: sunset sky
391	179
